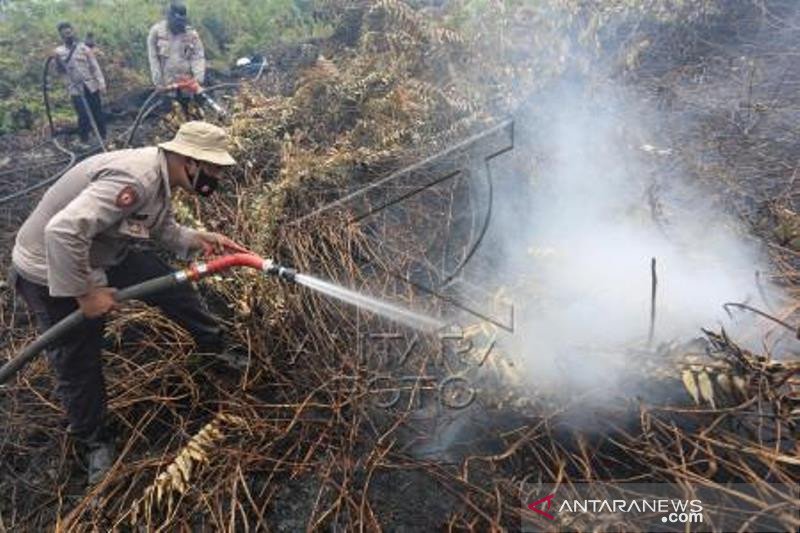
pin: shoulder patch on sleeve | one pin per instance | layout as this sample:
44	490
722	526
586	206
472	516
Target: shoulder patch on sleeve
127	197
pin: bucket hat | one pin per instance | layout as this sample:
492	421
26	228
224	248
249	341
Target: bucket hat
202	141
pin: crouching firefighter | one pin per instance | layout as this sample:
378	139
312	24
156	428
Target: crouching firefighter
79	245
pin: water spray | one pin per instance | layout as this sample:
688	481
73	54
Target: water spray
201	270
392	312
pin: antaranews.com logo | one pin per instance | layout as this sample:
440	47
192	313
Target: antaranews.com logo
657	507
672	511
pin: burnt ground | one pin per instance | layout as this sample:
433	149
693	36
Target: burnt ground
731	97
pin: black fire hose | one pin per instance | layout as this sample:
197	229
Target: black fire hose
70	154
140	116
71	321
93	122
46	96
137	292
47	181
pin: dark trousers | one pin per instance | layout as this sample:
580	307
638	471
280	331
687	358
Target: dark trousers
76	360
95	108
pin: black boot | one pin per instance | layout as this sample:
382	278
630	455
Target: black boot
100	454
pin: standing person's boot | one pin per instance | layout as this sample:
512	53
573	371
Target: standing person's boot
100	454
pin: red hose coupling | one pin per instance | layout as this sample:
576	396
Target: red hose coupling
200	270
189	85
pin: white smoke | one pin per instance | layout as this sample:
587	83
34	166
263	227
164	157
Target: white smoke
577	252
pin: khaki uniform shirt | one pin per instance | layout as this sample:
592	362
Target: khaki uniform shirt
81	69
89	218
173	57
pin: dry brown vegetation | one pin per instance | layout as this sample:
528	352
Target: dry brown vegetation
296	440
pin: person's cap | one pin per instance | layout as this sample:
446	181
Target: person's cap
202	141
177	8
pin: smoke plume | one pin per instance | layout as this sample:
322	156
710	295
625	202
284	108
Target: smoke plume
585	202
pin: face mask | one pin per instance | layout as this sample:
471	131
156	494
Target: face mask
204	183
69	41
176	23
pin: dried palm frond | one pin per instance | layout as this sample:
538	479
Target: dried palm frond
176	476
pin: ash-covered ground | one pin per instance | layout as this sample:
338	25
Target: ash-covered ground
637	134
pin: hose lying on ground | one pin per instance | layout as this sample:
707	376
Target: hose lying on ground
70	154
46	181
143	112
139	291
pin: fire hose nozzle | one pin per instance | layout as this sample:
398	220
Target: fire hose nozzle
192	86
287	274
284	273
210	102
